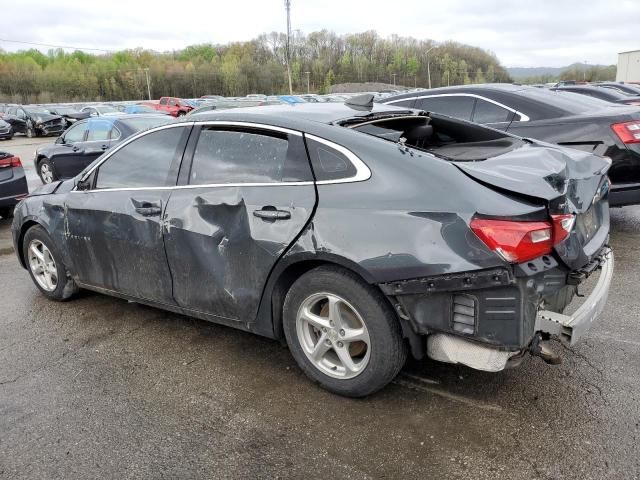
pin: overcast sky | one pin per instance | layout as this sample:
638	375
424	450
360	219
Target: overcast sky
522	33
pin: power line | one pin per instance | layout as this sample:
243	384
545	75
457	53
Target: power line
53	46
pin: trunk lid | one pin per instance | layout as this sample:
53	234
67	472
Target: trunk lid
568	180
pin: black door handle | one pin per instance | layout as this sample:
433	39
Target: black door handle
75	149
104	147
149	211
270	213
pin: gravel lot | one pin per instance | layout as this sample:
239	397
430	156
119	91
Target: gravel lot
102	388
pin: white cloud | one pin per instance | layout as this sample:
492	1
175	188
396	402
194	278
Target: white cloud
520	33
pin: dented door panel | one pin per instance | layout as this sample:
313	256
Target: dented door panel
220	253
117	244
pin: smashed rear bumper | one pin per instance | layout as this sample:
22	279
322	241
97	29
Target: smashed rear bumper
570	328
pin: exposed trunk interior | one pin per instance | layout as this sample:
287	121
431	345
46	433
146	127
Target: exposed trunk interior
442	136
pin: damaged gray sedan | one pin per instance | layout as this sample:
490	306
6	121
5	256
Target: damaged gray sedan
356	233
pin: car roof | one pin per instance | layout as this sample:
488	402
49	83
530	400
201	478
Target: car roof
315	112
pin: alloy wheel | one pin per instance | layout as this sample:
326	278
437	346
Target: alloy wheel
46	173
333	335
43	265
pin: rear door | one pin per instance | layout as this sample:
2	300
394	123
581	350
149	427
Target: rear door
246	195
114	228
17	118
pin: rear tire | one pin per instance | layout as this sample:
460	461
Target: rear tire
45	265
342	332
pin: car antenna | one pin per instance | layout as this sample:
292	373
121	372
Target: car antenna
364	100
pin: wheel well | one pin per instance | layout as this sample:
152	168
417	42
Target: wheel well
290	274
23	231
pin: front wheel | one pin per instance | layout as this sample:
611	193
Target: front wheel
342	332
45	265
46	171
31	131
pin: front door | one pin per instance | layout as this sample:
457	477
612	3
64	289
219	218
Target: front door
249	193
114	227
67	156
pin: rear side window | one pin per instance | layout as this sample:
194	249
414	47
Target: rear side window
99	130
238	156
145	162
487	112
328	163
457	107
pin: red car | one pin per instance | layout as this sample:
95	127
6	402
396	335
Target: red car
174	106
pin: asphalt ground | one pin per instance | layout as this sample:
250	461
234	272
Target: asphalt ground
101	388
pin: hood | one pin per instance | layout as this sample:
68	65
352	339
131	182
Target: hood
544	172
77	115
59	186
44	117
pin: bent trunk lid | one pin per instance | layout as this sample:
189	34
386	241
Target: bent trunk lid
569	181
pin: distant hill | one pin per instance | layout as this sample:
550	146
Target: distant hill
523	72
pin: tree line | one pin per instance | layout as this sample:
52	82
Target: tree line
318	60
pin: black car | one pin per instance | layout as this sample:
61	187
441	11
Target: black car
13	183
626	88
606	94
70	114
357	232
85	141
6	132
33	121
563	118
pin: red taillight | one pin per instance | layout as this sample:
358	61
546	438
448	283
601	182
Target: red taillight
516	242
519	242
628	132
10	162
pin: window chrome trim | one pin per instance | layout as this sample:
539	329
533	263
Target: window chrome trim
523	117
362	170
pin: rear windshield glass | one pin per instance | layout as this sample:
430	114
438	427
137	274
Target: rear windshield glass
144	123
570	102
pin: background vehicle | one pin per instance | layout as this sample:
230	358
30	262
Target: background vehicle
87	140
13	183
564	118
145	109
626	88
176	107
316	223
100	110
33	121
70	114
608	95
6	133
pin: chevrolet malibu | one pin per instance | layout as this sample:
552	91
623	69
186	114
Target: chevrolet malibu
357	233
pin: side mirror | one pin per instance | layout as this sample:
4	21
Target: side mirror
59	141
83	185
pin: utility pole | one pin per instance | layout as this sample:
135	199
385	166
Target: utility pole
146	74
307	74
429	66
287	6
584	72
394	79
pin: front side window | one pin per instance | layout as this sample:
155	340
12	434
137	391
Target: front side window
237	156
453	106
487	112
75	133
145	162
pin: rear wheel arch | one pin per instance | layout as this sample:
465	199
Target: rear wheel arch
284	278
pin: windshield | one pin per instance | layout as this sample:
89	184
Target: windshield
106	109
574	103
143	123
